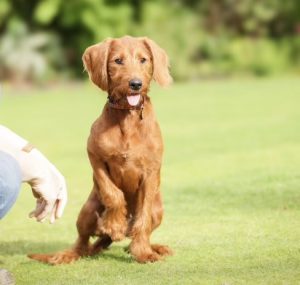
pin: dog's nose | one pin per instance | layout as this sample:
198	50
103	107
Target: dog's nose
135	84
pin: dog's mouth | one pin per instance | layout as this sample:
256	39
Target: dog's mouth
133	99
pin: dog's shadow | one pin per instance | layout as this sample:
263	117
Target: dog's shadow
24	247
107	255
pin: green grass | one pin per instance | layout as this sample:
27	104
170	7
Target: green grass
230	181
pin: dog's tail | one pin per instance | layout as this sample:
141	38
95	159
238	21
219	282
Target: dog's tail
71	255
62	257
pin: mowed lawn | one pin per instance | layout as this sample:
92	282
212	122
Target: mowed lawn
230	181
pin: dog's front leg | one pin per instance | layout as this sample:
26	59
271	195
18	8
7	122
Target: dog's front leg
140	247
113	221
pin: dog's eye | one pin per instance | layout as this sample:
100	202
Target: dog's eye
118	61
143	60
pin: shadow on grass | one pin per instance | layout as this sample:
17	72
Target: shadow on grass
107	255
24	247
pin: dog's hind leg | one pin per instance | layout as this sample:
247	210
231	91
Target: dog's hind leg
156	217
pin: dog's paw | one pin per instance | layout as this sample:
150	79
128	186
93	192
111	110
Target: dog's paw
115	233
143	253
113	227
162	250
147	257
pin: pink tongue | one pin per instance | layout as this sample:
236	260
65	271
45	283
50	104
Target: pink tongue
133	100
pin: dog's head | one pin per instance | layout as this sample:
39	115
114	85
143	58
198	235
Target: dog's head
125	66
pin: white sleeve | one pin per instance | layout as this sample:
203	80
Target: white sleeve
9	141
13	144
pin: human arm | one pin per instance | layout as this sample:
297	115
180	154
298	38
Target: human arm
47	183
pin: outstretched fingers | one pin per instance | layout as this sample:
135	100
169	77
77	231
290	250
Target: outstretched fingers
48	208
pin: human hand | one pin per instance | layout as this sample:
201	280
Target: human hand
49	189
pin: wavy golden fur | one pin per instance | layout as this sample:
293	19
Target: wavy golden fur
125	153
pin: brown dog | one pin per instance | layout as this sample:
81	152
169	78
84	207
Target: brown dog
125	150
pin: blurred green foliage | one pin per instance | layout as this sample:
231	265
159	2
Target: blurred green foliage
204	38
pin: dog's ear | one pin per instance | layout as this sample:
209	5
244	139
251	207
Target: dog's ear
95	63
160	61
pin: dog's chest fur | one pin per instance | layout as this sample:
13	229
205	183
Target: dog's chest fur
130	147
